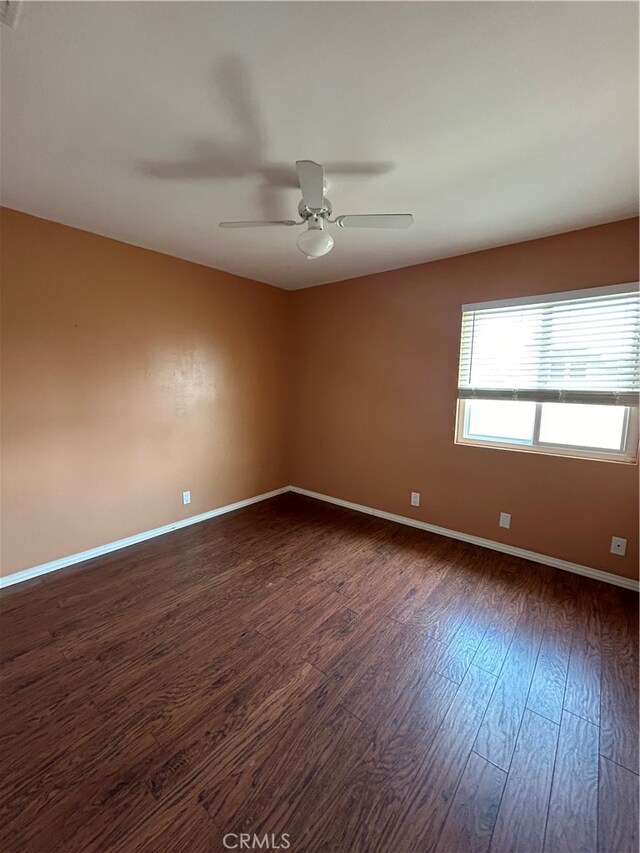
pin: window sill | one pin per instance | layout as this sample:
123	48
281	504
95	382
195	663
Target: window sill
565	453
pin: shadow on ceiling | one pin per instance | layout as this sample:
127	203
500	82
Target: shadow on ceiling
211	159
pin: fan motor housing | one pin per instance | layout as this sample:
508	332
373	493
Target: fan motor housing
306	212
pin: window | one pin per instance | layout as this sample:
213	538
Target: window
558	373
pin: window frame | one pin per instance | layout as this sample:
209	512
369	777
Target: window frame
628	452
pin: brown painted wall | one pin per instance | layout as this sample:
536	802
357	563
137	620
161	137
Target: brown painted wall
375	376
128	376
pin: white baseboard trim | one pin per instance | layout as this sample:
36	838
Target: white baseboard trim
63	562
556	562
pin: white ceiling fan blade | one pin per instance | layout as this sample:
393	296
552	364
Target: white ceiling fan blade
376	220
311	177
257	223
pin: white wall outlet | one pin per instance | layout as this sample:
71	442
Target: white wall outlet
618	546
186	497
505	519
415	498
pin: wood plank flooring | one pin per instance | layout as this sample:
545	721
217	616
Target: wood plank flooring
299	669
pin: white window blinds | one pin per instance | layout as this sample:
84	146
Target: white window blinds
576	347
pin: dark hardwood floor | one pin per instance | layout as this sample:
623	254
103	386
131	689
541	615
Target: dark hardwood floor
298	668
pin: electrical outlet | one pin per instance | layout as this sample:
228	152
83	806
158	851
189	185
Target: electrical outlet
505	519
186	497
618	546
415	498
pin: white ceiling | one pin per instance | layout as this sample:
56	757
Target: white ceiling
490	122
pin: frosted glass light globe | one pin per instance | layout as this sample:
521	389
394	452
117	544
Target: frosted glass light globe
315	242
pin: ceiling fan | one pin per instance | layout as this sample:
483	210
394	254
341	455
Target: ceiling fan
315	211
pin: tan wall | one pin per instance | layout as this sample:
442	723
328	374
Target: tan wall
376	363
128	376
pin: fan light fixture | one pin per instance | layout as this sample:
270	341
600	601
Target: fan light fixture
315	241
315	209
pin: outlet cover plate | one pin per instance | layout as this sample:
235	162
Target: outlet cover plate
505	520
186	497
618	546
415	498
